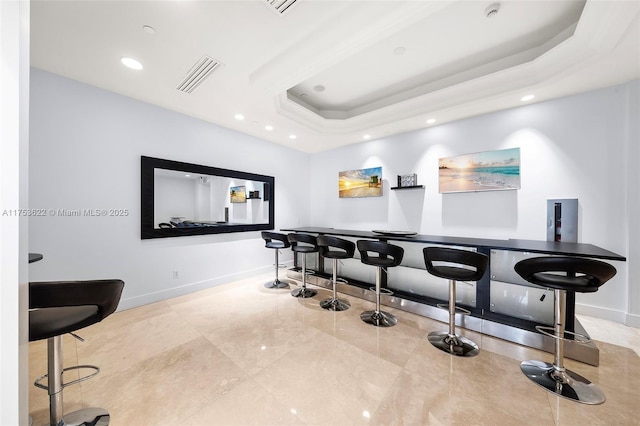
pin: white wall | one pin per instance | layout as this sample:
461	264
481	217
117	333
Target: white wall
632	155
14	184
86	144
85	153
572	147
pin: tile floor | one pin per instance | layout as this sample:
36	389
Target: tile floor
239	354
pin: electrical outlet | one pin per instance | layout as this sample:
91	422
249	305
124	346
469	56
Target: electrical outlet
175	275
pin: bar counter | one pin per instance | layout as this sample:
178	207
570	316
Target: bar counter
501	304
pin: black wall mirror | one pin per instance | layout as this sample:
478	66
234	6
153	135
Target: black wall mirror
181	199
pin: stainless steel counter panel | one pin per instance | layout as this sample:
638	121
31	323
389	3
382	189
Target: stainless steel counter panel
521	302
502	262
419	282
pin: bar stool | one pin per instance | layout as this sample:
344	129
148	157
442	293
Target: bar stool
60	307
345	250
304	244
275	241
383	249
449	341
578	275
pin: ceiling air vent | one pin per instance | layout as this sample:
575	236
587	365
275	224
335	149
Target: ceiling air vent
198	73
281	6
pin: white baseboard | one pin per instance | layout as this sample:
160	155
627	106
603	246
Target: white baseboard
145	299
602	313
633	320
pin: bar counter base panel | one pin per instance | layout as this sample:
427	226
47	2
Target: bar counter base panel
563	383
337	305
453	344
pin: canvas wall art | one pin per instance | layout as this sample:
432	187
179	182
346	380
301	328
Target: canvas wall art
483	171
360	183
238	194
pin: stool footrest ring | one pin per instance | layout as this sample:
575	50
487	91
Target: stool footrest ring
459	310
342	280
38	381
550	331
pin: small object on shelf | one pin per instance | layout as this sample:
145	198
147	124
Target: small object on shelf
407	180
253	195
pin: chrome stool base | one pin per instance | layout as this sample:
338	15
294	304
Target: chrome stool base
87	417
303	293
566	384
337	305
379	318
276	284
453	344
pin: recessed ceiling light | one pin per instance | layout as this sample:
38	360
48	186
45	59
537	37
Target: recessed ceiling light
149	29
292	136
492	10
239	117
268	128
399	50
319	88
187	175
431	121
366	136
527	98
131	63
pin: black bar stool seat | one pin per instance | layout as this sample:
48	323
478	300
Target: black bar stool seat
563	274
275	241
335	248
388	256
438	261
60	307
303	244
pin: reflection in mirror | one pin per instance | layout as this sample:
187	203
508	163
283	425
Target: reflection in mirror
187	199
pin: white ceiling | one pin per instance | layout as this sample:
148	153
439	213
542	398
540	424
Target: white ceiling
456	62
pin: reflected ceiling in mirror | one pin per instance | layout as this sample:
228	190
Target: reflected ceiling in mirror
181	199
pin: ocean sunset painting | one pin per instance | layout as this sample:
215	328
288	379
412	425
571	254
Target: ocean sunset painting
483	171
360	183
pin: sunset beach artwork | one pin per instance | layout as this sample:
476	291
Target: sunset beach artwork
238	194
483	171
360	183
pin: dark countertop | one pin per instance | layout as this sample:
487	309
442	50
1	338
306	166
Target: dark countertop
533	246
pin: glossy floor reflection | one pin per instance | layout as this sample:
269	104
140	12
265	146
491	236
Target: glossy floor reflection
242	354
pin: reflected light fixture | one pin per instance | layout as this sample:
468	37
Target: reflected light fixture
268	128
527	98
431	121
292	136
239	117
366	136
131	63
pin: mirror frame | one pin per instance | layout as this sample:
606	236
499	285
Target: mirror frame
147	193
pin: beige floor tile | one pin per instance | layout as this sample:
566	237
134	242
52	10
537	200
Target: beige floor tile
246	404
166	388
242	354
414	400
118	348
328	379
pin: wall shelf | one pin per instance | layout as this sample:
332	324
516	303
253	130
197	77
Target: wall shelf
407	187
